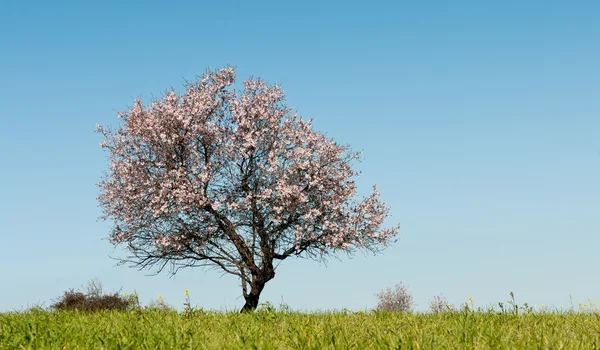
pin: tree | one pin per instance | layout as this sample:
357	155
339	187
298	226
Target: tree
232	180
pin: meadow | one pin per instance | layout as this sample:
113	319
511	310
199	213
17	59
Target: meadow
271	328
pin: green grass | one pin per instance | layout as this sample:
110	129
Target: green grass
280	330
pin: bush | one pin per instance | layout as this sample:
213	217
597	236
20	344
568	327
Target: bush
439	304
159	305
92	301
396	299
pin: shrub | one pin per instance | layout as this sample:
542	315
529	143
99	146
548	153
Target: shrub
159	305
91	301
396	299
439	304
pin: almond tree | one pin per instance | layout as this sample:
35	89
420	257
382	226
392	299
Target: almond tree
232	180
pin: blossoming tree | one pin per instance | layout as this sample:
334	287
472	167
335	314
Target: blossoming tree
232	180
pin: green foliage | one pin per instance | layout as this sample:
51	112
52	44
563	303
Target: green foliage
273	329
159	326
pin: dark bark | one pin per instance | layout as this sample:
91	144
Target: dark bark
256	287
251	303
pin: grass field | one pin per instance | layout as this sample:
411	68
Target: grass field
290	330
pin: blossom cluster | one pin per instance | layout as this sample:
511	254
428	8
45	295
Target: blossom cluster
184	164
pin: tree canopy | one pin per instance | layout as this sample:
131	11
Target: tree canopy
233	180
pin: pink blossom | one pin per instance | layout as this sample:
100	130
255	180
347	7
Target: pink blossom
237	170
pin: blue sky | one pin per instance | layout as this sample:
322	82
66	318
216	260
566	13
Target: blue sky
479	122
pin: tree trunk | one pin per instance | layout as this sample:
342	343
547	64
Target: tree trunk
252	298
251	303
256	287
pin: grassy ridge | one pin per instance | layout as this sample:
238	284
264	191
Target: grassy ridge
278	330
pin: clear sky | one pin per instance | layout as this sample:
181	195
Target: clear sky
479	121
